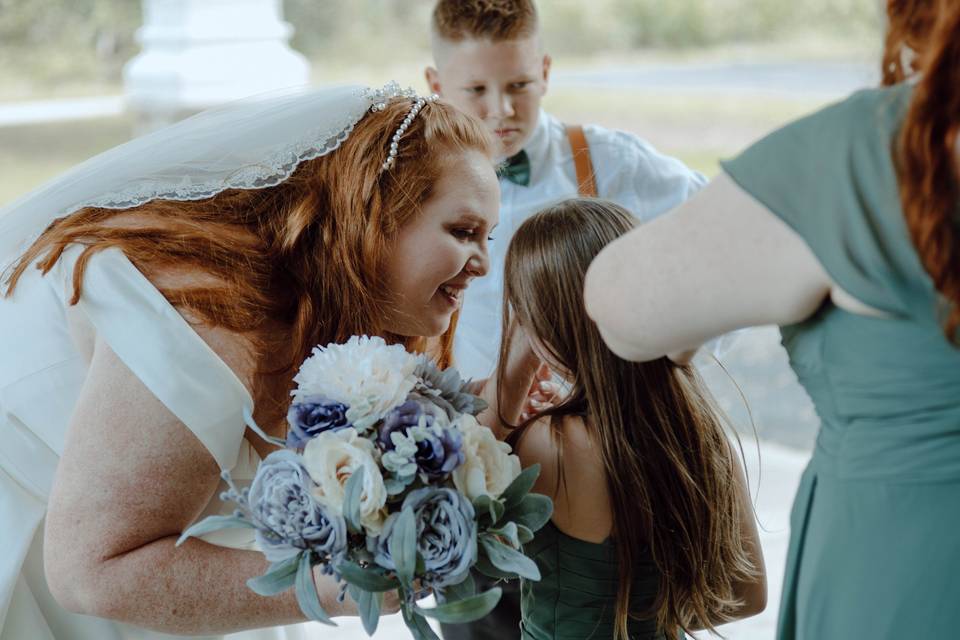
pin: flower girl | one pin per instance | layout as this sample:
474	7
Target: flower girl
652	532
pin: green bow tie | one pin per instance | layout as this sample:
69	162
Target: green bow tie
516	169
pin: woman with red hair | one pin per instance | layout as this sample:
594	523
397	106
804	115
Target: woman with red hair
844	229
159	301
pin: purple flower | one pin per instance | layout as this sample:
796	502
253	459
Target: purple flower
288	519
446	535
311	417
411	436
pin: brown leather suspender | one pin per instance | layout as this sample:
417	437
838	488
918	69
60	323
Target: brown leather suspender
586	180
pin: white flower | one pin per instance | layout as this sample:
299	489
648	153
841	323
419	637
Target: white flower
331	458
364	373
489	467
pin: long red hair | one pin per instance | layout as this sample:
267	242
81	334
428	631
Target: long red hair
289	266
926	148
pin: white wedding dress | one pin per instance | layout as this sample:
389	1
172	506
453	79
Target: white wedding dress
43	363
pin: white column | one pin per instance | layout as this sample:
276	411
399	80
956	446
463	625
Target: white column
199	53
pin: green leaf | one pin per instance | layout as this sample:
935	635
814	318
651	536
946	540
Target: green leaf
213	523
524	535
465	610
351	500
465	589
366	579
485	505
278	578
403	546
417	624
507	559
484	566
368	605
307	592
533	512
520	486
509	532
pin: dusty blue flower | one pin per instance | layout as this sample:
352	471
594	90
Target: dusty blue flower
312	416
413	441
446	535
288	519
446	388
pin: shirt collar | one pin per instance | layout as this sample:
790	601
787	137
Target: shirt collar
538	146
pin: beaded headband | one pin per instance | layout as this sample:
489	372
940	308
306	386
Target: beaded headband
381	97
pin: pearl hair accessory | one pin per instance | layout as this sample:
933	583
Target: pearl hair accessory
381	97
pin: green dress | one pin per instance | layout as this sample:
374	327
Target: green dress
875	527
575	598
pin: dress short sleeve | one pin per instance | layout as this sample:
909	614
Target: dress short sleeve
830	176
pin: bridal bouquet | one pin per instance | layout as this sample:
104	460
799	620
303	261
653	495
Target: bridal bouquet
387	482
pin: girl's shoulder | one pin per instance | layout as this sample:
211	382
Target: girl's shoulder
572	474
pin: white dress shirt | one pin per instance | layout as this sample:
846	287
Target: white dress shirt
628	171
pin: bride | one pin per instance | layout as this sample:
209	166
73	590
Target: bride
158	300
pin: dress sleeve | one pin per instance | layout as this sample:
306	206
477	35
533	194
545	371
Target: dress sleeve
163	351
830	177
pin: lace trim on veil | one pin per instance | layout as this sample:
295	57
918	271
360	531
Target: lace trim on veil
272	171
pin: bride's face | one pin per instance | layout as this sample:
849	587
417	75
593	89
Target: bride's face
439	252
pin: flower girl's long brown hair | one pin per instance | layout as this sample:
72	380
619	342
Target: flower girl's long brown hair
926	147
670	470
289	266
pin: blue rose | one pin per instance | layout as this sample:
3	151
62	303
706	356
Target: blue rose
311	417
446	535
288	519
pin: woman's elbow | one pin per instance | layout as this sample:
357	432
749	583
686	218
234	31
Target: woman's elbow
72	582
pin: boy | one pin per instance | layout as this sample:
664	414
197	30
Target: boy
490	63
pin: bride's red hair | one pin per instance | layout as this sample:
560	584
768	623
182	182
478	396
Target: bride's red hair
289	266
926	149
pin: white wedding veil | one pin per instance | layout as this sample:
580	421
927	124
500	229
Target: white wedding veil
256	142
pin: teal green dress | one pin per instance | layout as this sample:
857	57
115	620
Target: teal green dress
875	527
575	598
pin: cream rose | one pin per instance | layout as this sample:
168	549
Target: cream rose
331	458
489	467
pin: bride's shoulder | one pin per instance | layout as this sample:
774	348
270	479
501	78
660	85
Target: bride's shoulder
237	350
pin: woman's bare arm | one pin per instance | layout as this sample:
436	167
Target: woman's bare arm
130	480
719	262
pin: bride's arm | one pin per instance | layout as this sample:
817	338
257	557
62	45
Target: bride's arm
131	478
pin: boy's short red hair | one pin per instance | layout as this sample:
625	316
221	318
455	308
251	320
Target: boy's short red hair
495	20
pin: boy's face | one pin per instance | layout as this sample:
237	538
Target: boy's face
501	83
